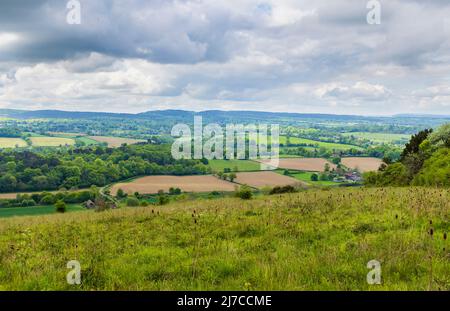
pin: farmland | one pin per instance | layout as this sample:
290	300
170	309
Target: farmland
234	165
152	184
12	142
380	137
304	164
313	240
265	179
306	177
36	210
317	144
362	164
43	141
115	141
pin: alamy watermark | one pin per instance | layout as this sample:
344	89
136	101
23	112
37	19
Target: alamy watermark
241	142
73	277
374	15
374	275
73	16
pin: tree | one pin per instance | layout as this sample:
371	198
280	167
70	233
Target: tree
441	137
314	177
244	192
121	194
60	206
232	176
413	146
132	201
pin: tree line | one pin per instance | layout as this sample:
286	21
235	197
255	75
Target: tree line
73	168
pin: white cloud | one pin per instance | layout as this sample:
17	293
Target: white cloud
293	55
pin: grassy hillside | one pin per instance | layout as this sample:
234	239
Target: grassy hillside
307	241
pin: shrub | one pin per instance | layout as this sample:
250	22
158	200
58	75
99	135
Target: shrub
314	177
133	201
174	191
284	189
121	194
244	192
29	202
144	203
163	199
48	199
60	206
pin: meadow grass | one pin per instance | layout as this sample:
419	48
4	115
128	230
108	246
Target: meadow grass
35	210
312	240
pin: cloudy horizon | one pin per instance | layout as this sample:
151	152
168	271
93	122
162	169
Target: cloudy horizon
274	55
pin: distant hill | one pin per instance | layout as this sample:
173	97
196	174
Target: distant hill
217	116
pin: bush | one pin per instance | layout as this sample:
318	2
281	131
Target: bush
284	189
60	206
133	201
314	177
174	191
48	199
163	199
244	192
121	194
144	203
29	202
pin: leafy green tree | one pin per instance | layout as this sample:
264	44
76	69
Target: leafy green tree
121	194
244	192
441	137
60	206
133	201
232	176
413	146
314	177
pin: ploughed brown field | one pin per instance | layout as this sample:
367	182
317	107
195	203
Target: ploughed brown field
304	164
362	164
265	179
152	184
115	141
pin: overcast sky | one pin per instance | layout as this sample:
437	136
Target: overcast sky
280	55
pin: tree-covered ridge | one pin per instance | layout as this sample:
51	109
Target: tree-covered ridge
84	167
425	161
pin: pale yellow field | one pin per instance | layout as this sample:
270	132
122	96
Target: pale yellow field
51	141
13	195
152	184
6	142
362	164
304	164
265	179
115	141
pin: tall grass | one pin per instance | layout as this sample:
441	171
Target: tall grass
312	240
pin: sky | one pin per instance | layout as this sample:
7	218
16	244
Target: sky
299	56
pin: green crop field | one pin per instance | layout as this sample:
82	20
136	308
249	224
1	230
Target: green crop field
6	142
380	137
87	141
242	165
312	240
35	210
306	177
45	141
318	144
